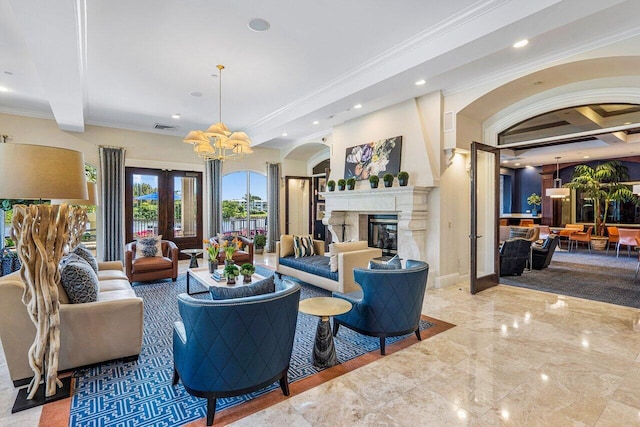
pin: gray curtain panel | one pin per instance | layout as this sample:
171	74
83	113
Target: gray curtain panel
213	173
112	199
273	202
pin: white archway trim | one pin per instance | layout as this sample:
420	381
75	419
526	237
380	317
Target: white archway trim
543	103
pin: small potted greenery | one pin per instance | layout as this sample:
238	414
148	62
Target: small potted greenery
230	272
247	269
341	184
388	180
259	242
331	185
403	178
374	180
351	183
535	201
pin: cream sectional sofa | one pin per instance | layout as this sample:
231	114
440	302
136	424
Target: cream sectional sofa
316	270
110	328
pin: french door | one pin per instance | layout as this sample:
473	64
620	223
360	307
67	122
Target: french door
485	187
167	203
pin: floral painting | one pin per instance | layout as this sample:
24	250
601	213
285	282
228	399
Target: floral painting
374	158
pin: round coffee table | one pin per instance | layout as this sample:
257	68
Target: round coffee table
193	253
324	350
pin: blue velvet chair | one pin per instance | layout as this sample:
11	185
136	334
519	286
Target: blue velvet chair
225	348
390	303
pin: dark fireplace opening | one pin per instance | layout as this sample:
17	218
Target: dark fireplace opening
383	233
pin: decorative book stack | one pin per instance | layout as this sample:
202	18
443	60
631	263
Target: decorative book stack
217	275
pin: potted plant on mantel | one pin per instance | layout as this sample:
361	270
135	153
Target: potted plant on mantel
331	185
374	180
535	201
403	179
603	184
351	183
388	180
341	184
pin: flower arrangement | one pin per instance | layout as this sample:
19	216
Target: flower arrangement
213	249
534	200
230	247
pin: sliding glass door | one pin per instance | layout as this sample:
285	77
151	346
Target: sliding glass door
167	203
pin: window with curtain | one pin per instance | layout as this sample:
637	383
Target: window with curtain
244	203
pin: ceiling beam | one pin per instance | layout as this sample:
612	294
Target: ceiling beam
54	33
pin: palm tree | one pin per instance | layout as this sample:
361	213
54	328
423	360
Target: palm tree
603	184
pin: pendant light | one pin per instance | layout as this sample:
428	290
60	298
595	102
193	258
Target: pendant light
557	192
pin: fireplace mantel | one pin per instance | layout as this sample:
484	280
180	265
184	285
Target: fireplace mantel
344	208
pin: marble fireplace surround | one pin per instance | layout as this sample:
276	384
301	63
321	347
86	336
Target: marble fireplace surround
351	208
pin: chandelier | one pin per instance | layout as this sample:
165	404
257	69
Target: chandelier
557	192
218	142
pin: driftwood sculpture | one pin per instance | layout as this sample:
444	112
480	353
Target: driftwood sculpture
41	233
77	225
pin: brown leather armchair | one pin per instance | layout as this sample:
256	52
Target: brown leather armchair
239	256
145	269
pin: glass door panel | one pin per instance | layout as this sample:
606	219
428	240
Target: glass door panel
485	187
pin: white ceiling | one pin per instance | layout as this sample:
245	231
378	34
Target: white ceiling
132	64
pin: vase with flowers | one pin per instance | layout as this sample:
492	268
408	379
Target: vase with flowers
229	247
213	249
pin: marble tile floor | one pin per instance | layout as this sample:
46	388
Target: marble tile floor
516	357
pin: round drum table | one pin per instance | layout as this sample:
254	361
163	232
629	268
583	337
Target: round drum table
324	351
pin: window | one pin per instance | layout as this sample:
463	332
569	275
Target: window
244	203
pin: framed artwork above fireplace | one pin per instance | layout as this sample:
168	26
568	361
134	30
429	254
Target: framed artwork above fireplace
373	158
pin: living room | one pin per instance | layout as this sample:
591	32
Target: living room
475	85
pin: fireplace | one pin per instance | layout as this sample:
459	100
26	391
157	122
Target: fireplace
383	233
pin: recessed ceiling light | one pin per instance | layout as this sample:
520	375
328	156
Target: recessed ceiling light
521	43
315	122
259	24
196	94
585	157
4	89
284	134
517	164
357	106
421	82
175	116
626	123
505	161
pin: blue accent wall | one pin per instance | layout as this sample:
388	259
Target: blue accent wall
527	182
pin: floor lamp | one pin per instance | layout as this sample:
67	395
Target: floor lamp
41	232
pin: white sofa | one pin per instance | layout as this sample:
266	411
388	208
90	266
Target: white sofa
347	258
110	328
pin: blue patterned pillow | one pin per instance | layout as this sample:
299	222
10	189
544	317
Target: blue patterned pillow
303	246
149	246
241	291
85	254
79	280
393	264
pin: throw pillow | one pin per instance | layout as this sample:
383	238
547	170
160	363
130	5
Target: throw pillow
286	245
149	247
303	246
82	251
336	248
392	264
79	281
265	286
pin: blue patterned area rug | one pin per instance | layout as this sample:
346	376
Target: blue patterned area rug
140	393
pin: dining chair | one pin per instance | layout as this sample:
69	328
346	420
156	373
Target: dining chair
627	237
526	222
581	236
614	236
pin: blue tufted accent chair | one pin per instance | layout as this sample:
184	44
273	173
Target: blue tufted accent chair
225	348
389	304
